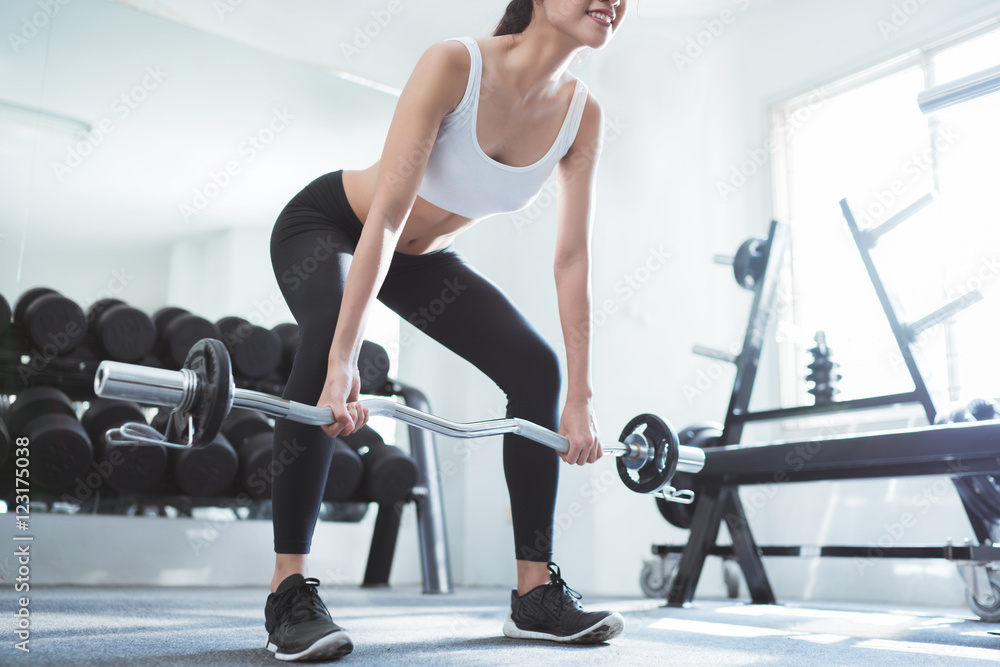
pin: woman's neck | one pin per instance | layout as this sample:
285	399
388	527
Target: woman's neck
534	60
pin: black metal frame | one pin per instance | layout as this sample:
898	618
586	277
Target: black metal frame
967	448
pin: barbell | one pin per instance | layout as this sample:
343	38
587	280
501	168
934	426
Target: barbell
202	393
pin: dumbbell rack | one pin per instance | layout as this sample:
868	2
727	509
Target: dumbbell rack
952	449
21	368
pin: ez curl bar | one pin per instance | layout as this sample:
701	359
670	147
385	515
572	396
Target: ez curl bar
202	393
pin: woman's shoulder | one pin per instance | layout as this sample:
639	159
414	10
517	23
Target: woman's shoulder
449	53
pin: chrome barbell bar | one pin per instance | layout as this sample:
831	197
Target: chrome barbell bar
179	389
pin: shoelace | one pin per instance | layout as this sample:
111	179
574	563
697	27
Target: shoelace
306	592
556	577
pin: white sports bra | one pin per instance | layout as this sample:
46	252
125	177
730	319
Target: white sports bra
464	180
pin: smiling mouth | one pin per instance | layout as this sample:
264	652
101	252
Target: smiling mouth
602	18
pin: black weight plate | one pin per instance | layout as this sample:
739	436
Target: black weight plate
209	360
750	262
660	468
703	435
26	299
125	333
982	493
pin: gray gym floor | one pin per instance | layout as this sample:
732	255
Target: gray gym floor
201	626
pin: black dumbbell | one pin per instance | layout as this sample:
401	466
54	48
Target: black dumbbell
53	324
131	467
288	333
373	367
59	446
983	409
250	434
253	438
204	472
389	474
346	472
119	331
255	351
177	331
4	315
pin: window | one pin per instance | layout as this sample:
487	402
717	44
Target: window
865	140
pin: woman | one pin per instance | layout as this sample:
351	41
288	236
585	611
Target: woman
477	130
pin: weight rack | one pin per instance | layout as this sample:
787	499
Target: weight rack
74	375
964	451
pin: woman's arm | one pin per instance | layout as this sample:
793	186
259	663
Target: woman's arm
434	89
577	179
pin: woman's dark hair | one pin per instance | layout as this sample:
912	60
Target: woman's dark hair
516	18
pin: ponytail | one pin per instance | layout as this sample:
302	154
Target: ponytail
516	18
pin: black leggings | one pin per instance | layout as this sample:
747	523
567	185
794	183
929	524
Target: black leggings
312	246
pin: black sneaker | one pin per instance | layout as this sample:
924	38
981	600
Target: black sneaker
299	626
551	611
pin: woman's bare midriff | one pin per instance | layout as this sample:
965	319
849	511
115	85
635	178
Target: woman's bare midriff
428	227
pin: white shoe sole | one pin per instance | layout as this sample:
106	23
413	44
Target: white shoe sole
333	645
607	628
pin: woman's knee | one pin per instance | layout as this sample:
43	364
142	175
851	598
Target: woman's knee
538	374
